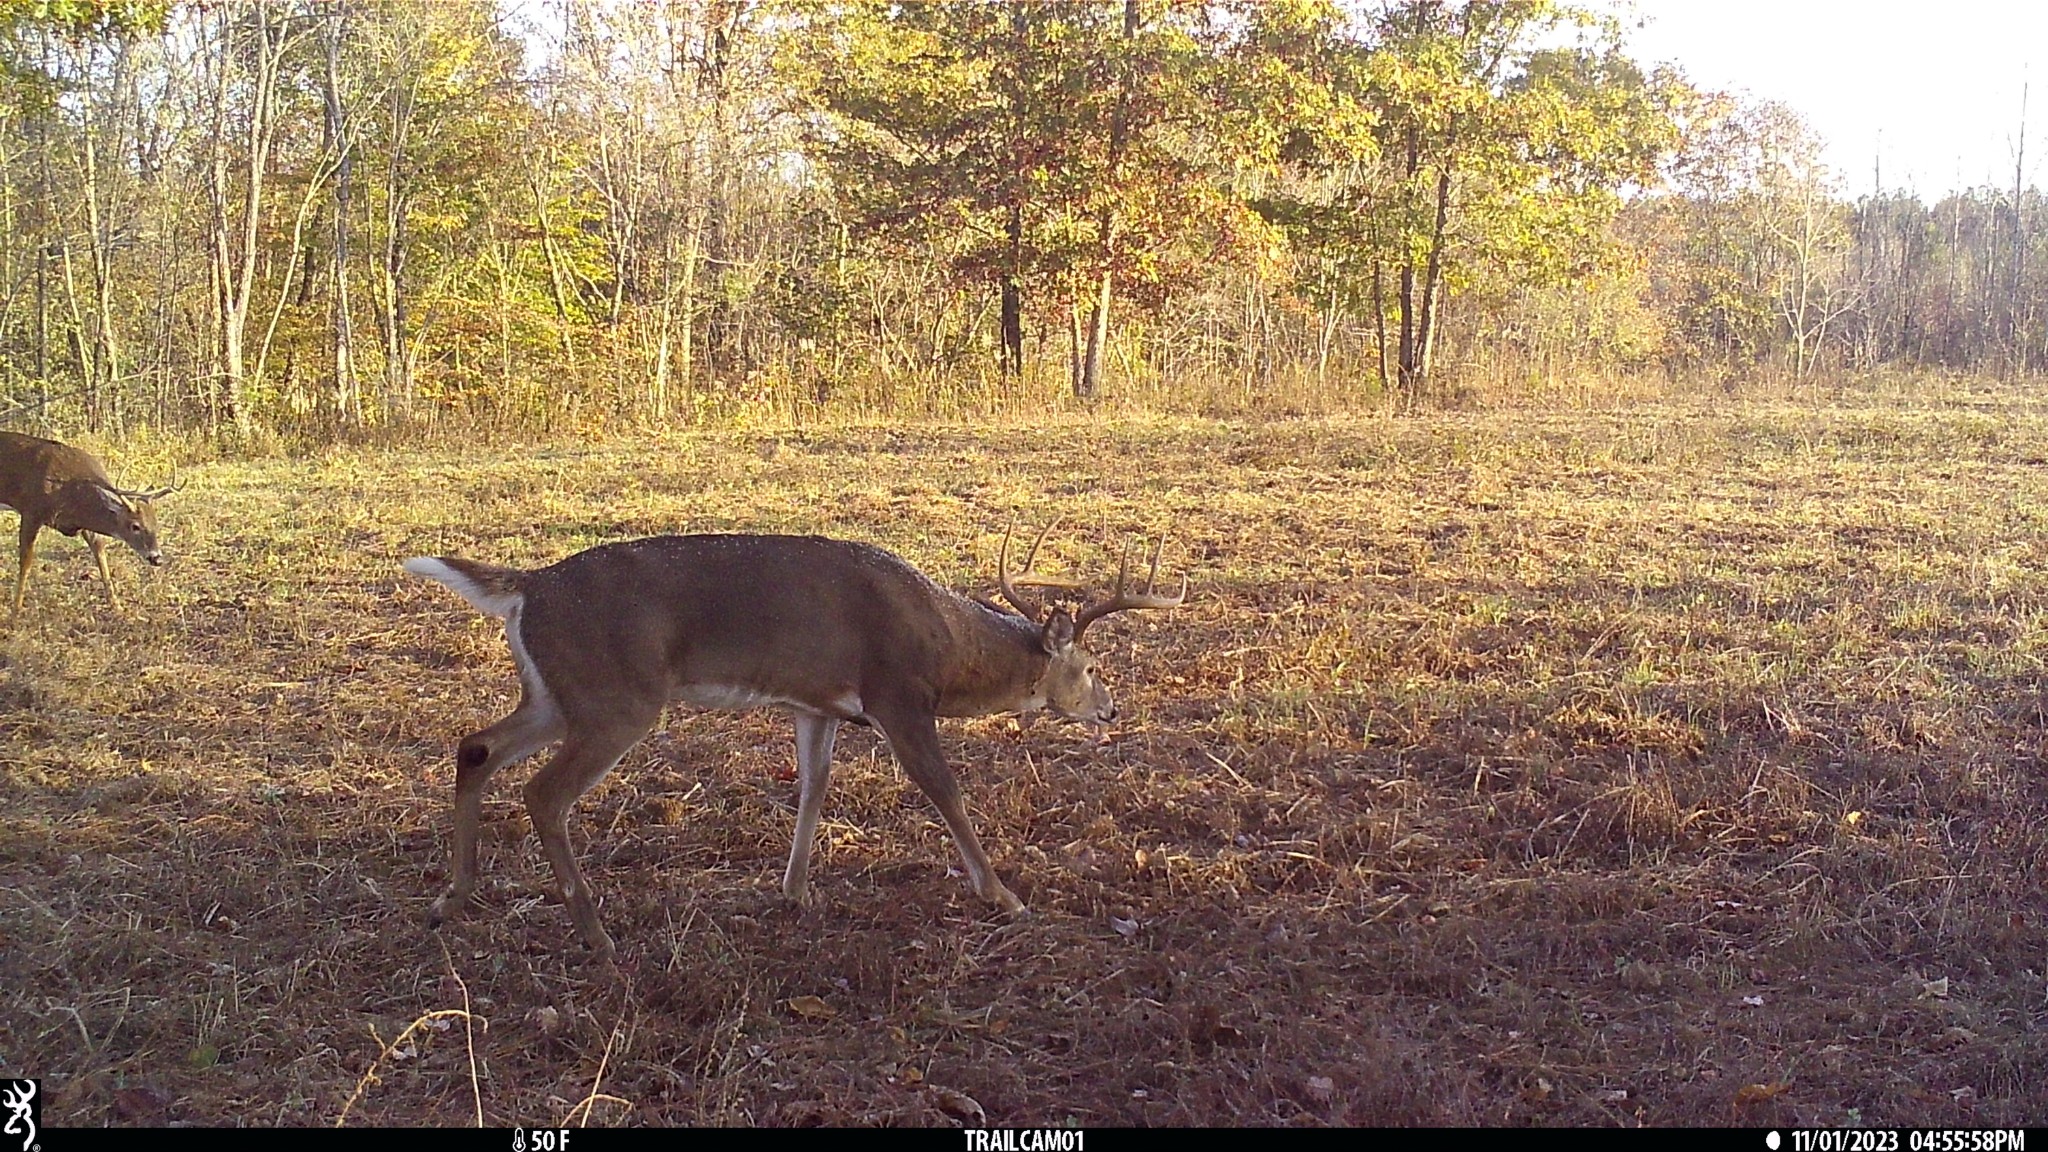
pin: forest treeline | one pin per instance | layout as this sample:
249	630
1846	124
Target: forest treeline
322	217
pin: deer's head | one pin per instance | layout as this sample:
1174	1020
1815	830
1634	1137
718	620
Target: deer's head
1070	685
131	516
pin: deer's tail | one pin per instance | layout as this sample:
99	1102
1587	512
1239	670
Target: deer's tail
494	591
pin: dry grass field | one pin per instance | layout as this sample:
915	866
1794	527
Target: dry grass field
1676	765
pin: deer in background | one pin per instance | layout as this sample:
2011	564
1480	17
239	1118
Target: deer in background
54	485
830	630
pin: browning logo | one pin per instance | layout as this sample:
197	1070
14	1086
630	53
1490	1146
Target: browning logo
22	1107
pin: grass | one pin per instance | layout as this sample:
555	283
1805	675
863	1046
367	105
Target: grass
1675	765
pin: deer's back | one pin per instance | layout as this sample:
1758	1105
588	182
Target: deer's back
33	470
731	621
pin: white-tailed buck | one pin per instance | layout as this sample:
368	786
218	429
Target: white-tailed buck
57	486
828	629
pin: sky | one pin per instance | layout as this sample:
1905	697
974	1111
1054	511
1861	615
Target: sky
1926	94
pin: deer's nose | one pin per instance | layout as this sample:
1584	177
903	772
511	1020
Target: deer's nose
156	559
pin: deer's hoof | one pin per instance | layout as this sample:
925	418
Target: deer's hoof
444	909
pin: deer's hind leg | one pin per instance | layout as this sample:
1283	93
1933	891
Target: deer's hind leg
588	752
532	726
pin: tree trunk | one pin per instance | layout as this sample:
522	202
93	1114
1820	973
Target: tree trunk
348	401
1011	287
1105	219
1098	339
397	204
1077	348
235	239
1013	298
1379	321
104	358
1433	278
43	200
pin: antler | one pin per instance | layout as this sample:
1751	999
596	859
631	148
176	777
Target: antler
153	493
1009	583
1121	601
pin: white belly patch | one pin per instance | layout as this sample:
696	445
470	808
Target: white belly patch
739	698
727	697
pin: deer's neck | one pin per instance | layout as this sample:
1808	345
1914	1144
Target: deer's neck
996	662
80	504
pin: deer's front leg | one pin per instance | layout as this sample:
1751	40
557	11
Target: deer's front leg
814	737
29	528
914	738
98	544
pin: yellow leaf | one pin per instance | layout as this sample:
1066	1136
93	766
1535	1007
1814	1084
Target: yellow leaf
812	1008
1750	1094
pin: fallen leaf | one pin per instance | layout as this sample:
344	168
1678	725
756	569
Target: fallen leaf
812	1008
1322	1089
143	1104
1753	1001
1937	989
1752	1094
1923	1096
1612	1096
664	810
958	1104
1637	976
546	1019
1123	927
1538	1092
1414	842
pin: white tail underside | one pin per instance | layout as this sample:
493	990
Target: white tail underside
499	604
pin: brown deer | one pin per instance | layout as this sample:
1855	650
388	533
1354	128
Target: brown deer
830	630
57	486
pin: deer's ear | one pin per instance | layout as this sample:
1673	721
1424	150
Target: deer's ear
114	502
1059	632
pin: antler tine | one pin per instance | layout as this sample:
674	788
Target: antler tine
1031	557
1123	601
1009	583
1017	599
152	493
